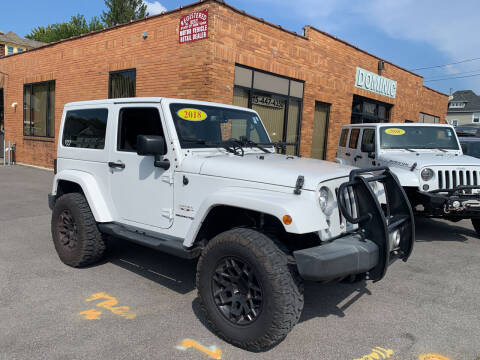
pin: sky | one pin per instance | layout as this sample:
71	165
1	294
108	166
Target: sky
413	34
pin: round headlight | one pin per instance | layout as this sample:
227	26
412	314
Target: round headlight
323	198
427	174
395	239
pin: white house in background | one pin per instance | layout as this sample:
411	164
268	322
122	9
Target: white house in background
463	108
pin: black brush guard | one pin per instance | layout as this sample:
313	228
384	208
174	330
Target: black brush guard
377	223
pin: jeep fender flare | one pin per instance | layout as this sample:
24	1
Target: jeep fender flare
91	190
307	217
406	177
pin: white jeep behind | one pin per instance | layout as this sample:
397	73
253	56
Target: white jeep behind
439	180
197	179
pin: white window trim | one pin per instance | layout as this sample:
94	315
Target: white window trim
477	117
454	122
457	105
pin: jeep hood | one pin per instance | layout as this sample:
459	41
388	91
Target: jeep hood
406	160
274	169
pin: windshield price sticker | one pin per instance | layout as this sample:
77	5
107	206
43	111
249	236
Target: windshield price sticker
192	114
393	131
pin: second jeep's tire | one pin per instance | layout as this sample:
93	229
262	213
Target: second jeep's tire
250	295
75	233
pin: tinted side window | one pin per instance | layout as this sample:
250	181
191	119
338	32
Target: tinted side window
343	138
368	137
134	122
354	138
85	128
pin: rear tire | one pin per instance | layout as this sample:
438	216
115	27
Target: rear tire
76	237
250	295
476	225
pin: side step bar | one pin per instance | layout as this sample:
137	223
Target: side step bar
170	246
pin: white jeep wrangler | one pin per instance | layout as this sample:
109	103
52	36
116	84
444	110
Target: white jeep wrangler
197	179
439	180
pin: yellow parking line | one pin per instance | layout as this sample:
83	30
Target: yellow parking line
212	351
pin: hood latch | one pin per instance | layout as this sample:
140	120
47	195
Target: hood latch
299	185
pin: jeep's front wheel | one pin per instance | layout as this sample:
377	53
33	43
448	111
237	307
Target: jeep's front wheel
76	237
250	295
476	225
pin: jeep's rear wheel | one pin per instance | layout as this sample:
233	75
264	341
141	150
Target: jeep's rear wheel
476	225
250	295
75	233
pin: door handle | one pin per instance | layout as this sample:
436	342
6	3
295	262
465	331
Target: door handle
358	157
116	165
348	154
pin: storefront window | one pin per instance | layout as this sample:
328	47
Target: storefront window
365	110
278	100
122	84
39	109
425	118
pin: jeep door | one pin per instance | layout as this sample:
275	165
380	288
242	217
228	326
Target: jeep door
352	152
364	158
142	193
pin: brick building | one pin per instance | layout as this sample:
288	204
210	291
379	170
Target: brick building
305	87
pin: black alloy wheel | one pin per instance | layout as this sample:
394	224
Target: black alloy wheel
237	291
67	229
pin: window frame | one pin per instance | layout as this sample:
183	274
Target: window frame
477	117
357	130
133	70
252	91
105	138
47	124
10	50
363	137
120	122
340	141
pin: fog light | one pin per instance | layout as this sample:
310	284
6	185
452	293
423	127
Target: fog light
426	187
456	204
395	239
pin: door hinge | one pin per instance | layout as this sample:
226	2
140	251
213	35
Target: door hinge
167	213
167	177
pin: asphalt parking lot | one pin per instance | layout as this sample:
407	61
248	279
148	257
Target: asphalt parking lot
138	304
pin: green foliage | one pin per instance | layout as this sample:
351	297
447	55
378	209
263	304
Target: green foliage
76	26
121	11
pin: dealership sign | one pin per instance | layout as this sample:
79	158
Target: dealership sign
193	27
369	81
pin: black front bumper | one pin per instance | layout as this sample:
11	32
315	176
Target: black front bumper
460	202
369	249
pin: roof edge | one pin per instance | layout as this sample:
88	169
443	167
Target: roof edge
438	92
359	49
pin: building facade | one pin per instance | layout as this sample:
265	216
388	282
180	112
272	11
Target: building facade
304	86
463	108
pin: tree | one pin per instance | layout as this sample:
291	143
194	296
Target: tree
76	26
122	11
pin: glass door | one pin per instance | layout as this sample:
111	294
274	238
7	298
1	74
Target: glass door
320	130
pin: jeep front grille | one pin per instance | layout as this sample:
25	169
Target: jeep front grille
350	203
450	179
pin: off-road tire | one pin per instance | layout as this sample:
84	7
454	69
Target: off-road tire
89	244
282	289
476	225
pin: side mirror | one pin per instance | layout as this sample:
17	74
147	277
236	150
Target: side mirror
153	145
368	148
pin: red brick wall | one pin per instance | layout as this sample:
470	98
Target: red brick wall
327	65
203	70
81	68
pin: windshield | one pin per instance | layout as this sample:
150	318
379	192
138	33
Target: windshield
418	137
198	125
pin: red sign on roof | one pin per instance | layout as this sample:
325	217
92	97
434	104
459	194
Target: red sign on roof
193	27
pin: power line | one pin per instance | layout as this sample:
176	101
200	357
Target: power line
451	78
440	66
456	73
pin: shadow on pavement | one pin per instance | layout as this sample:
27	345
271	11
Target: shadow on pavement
166	270
429	230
